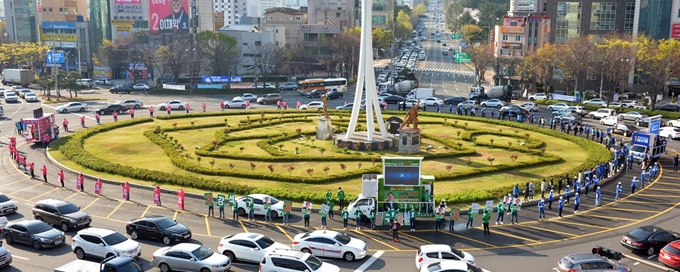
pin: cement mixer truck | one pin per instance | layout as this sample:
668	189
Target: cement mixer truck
503	93
405	87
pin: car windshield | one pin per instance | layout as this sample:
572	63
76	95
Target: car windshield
4	198
639	234
38	228
457	252
638	149
165	223
313	262
273	200
114	239
265	242
130	267
202	253
68	208
566	263
343	238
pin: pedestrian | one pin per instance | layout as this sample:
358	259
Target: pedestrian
251	210
619	189
180	199
211	205
632	185
643	176
470	218
82	121
450	108
567	194
485	222
286	216
345	218
395	230
80	182
587	185
357	218
203	106
31	168
501	208
187	108
514	210
306	213
115	116
341	198
331	205
234	210
126	190
285	104
97	118
453	215
532	189
151	111
157	196
560	206
371	215
168	109
323	215
412	218
437	220
598	196
559	185
515	191
267	210
98	187
543	187
577	202
675	163
541	210
220	205
550	199
60	174
132	113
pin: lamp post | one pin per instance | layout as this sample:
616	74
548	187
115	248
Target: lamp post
56	70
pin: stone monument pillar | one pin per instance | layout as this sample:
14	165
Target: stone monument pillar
409	140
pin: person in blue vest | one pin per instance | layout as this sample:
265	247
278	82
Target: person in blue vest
598	196
596	182
484	112
577	202
560	206
550	199
541	210
676	160
567	194
630	161
515	191
577	187
643	177
633	183
619	189
438	107
586	185
655	171
450	108
493	112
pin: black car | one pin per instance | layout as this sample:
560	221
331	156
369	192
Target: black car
158	228
645	123
513	110
121	89
445	53
109	109
315	93
61	213
669	107
623	129
33	232
648	239
393	99
454	100
334	95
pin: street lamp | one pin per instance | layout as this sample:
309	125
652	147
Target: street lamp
56	71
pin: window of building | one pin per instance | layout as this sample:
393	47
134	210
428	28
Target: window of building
630	16
505	52
270	18
505	37
379	20
603	16
298	18
49	10
337	15
287	32
258	43
379	5
592	74
568	21
245	43
513	23
518	38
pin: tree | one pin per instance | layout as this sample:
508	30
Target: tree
68	82
346	48
482	57
472	34
217	49
23	53
453	11
465	19
489	13
121	54
381	38
615	57
403	28
178	54
269	59
540	65
576	57
657	62
418	10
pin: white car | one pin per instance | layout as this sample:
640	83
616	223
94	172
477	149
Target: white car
428	254
249	247
288	260
629	103
141	87
596	101
669	132
7	206
30	97
266	85
432	101
632	115
674	123
258	205
103	243
314	105
248	96
537	96
71	107
11	97
190	257
609	121
172	104
384	94
493	103
235	103
468	104
530	106
450	265
558	106
333	244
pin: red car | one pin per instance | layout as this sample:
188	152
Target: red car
670	255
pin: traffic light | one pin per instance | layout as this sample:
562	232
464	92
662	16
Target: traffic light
607	253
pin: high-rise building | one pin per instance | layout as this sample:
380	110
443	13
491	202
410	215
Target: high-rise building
382	13
100	24
652	18
331	12
233	10
572	19
22	21
675	20
63	11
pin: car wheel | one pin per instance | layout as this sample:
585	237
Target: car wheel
161	108
241	212
64	111
134	235
82	109
36	245
601	122
9	239
101	112
38	218
306	250
243	106
136	106
264	102
164	267
80	254
205	269
499	106
484	105
64	226
181	107
109	255
348	256
531	99
166	240
226	106
229	255
274	215
670	124
650	251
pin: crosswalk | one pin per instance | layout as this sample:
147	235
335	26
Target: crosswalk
439	70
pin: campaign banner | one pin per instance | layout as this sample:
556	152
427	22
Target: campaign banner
287	206
232	199
518	204
209	86
325	208
307	205
489	206
455	213
97	188
221	200
642	139
561	97
168	16
208	199
379	219
174	87
475	209
123	2
221	79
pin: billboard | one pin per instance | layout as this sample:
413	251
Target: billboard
402	170
168	16
675	31
59	25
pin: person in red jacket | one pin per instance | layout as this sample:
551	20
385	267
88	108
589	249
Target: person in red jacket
61	177
126	190
151	111
44	172
82	121
65	124
203	106
115	116
31	168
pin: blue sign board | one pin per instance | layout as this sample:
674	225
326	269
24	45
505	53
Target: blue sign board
462	43
54	57
221	79
209	86
59	25
640	139
654	124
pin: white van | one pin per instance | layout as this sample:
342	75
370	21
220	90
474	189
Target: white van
86	82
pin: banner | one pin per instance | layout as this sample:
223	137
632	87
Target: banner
561	97
518	204
287	206
325	208
156	197
208	199
232	199
455	213
379	218
400	218
174	87
221	200
166	16
209	86
97	188
307	205
475	209
489	206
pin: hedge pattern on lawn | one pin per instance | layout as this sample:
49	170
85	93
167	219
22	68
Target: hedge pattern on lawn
74	150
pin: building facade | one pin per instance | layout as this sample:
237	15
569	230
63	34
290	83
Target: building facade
22	21
250	38
653	19
331	13
589	18
73	39
62	10
290	19
675	20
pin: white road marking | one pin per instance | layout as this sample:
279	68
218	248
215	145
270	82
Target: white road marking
19	257
650	257
636	263
370	261
29	204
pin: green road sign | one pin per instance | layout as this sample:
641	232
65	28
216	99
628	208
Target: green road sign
455	36
463	57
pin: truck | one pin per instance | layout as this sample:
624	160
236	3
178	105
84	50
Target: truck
111	264
503	93
420	93
648	145
22	77
404	87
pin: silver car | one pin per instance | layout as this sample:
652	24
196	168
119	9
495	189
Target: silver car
190	257
589	262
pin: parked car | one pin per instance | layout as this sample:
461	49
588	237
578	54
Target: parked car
648	239
314	105
131	103
432	101
85	82
669	107
249	247
158	228
288	260
596	101
609	121
629	103
348	106
614	105
61	213
103	243
36	233
266	85
288	86
110	108
276	208
670	255
631	115
644	122
6	259
674	123
235	103
189	257
451	265
103	82
331	244
513	110
316	93
393	99
558	106
382	103
454	100
587	262
529	106
624	129
7	205
11	97
70	107
428	254
141	87
31	97
269	98
121	89
669	132
469	104
248	97
537	96
172	104
333	94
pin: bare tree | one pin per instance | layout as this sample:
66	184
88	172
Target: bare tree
178	54
482	58
346	48
301	60
269	59
576	57
216	49
615	56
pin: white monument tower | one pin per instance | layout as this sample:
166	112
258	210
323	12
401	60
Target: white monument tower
366	78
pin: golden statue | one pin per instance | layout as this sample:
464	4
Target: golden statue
412	117
324	100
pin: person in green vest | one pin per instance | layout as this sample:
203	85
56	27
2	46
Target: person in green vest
426	199
485	222
412	217
501	211
470	218
323	214
357	217
437	220
211	208
452	219
251	210
330	204
371	214
345	218
267	210
234	210
341	198
286	215
306	213
329	196
514	210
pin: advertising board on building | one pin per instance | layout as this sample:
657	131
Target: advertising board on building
675	31
168	16
59	25
512	29
525	5
512	45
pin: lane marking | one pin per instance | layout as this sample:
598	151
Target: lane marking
469	239
650	257
631	210
671	196
15	182
515	236
243	226
19	257
72	195
27	188
284	232
416	238
607	217
645	202
207	226
668	183
90	204
45	193
174	216
579	224
374	239
146	210
664	189
370	261
115	209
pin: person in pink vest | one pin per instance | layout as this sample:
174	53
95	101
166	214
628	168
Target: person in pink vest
157	196
132	113
203	106
82	121
115	116
247	104
168	109
65	124
44	172
151	111
278	104
80	182
180	199
96	117
126	190
98	186
186	107
61	177
285	105
222	105
299	104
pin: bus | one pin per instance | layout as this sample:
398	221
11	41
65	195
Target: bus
331	84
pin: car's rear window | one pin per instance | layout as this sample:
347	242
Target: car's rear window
671	250
639	234
566	263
